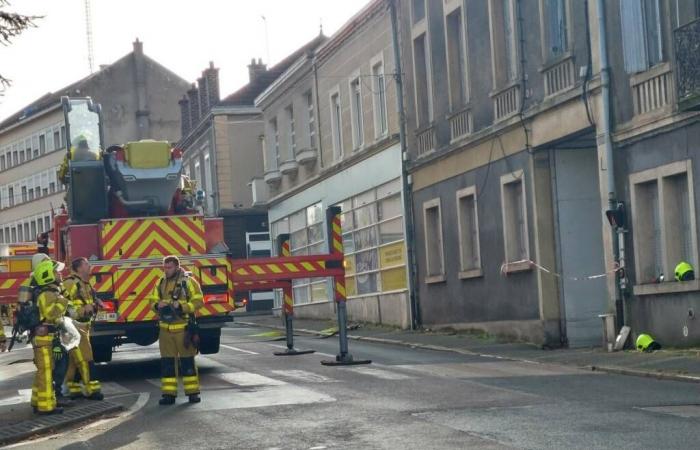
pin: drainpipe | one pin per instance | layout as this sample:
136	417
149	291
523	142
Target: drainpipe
605	125
405	177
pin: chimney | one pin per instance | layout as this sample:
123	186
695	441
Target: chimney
193	95
203	96
212	76
138	47
185	124
255	69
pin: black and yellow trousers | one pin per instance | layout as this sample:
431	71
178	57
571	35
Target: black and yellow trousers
174	350
43	395
81	366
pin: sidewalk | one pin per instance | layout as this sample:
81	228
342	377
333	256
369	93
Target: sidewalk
679	365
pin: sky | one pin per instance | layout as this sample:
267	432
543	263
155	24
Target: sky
181	35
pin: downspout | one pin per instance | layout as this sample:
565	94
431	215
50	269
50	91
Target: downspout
605	125
405	176
318	114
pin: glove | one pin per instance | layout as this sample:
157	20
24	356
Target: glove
57	352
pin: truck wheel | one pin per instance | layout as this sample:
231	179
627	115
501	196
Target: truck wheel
209	341
102	353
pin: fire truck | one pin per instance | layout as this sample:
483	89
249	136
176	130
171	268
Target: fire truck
127	206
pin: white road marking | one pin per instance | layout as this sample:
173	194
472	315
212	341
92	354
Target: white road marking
328	355
379	373
24	395
248	379
302	375
112	388
230	347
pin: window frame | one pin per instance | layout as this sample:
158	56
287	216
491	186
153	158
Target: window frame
430	275
421	32
500	63
547	56
464	270
356	111
292	142
521	262
658	175
336	113
379	101
450	8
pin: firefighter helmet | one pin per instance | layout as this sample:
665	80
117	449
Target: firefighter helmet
38	258
646	343
45	272
684	272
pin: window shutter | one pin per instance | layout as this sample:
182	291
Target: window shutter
633	36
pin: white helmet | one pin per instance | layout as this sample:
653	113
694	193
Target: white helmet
38	258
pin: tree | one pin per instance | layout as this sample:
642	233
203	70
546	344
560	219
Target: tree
11	25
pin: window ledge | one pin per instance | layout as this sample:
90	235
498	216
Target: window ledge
555	61
434	279
514	267
652	72
670	287
472	273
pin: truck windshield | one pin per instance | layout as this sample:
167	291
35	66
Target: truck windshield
84	126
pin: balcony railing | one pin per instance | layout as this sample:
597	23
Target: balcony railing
686	41
651	90
559	77
460	124
506	102
426	141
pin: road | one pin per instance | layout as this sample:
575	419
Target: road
408	398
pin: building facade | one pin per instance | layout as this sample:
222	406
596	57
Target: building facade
512	165
138	98
331	139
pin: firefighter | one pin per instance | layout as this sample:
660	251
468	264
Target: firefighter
175	298
80	151
83	305
51	307
3	339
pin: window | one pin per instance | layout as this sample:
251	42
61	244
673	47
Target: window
24	194
306	238
421	67
209	184
35	146
56	140
11	196
663	217
52	187
555	28
356	112
379	99
456	60
42	144
47	223
435	260
515	219
468	225
312	120
63	136
2	162
642	36
15	156
33	229
336	127
418	8
31	194
14	234
292	135
503	42
276	141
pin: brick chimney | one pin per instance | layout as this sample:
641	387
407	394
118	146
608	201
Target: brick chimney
211	74
185	124
203	96
193	95
255	69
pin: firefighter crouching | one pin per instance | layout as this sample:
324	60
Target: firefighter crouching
50	308
175	298
83	303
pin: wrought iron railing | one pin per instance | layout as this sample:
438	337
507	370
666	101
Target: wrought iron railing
687	47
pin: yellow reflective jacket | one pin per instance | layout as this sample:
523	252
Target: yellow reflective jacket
170	289
79	294
52	304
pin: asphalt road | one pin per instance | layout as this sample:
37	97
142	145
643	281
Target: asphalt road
407	398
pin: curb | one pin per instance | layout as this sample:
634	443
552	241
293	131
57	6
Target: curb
45	424
439	348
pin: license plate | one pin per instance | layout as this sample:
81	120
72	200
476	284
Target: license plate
106	316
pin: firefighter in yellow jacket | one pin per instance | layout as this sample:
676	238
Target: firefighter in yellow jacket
51	307
3	339
83	305
175	298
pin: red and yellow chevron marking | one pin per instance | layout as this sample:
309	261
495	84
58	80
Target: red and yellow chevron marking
149	237
286	251
105	282
268	268
220	277
337	235
288	301
10	284
134	287
213	309
9	288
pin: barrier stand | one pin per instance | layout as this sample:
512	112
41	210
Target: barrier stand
335	240
288	304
